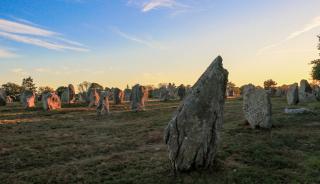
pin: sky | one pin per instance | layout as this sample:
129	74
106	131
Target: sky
120	42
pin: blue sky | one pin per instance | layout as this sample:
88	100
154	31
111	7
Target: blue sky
119	42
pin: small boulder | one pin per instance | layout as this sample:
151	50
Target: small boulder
257	107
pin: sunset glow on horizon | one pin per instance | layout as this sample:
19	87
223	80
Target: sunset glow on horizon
120	42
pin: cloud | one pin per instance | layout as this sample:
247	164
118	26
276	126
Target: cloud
132	38
19	71
4	53
153	4
315	23
19	28
149	5
33	35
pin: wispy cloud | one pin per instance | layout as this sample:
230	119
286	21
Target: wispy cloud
19	71
4	53
33	35
136	39
315	23
148	5
153	4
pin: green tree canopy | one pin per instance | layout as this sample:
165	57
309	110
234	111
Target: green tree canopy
315	72
27	84
269	84
12	89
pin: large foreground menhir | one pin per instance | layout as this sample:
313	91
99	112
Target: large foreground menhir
192	135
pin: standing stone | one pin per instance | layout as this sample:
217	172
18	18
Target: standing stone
50	101
68	95
257	107
118	96
193	134
127	94
181	91
164	94
317	92
103	105
305	92
3	98
139	95
93	97
9	100
27	99
293	94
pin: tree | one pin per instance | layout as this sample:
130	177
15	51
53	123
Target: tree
12	89
45	89
315	73
60	90
27	84
96	85
84	86
269	84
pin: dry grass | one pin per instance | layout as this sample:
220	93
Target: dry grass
72	145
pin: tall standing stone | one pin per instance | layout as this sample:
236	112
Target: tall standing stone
103	105
27	99
164	94
181	91
118	96
68	95
293	94
3	98
50	101
257	107
305	92
93	97
192	135
139	95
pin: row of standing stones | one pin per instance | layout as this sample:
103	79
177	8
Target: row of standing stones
193	134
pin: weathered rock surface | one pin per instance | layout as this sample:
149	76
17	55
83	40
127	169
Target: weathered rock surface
164	94
305	92
68	95
257	107
293	94
317	92
93	97
50	101
192	135
118	96
3	98
103	105
182	91
27	99
138	97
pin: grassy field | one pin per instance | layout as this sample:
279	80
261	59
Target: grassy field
72	145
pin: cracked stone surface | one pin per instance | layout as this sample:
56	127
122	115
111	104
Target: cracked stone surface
50	101
28	99
293	94
138	97
257	107
192	135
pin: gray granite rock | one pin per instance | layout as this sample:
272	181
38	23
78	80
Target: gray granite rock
257	107
192	135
